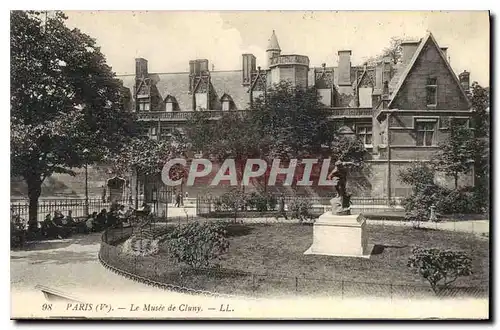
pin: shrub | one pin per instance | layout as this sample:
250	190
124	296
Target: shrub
418	175
198	244
440	268
457	201
257	202
421	201
416	216
300	208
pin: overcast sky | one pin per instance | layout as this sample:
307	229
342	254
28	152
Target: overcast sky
168	40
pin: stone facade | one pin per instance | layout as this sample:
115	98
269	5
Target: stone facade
402	111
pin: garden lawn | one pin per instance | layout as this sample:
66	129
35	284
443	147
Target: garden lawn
279	248
269	259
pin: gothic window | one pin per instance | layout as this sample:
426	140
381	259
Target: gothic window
425	132
431	91
364	132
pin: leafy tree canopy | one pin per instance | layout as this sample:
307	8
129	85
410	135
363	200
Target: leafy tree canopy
66	107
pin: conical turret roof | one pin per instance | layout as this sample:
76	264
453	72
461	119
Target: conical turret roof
273	43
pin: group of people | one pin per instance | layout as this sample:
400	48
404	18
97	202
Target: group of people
118	216
59	225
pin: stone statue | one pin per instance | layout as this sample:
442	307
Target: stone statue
341	201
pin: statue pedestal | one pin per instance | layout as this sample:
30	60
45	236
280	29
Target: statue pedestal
340	235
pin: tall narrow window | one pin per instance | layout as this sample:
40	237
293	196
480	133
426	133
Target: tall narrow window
425	133
225	105
365	134
153	131
432	92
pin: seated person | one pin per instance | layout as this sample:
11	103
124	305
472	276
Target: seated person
89	224
101	219
112	219
69	219
122	214
48	226
145	209
58	218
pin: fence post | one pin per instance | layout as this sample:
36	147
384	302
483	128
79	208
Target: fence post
253	282
391	291
342	289
296	284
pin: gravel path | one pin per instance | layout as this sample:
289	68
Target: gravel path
70	265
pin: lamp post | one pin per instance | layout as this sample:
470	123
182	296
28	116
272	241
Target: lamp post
85	153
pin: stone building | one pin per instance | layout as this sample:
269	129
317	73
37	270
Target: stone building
401	111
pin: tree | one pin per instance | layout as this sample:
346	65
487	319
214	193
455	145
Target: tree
394	51
455	154
232	136
418	175
440	268
64	99
480	99
291	121
144	156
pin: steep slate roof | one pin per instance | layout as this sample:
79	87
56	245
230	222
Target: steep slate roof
402	71
177	85
273	43
230	82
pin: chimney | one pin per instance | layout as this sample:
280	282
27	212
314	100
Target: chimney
249	63
141	68
387	70
464	78
344	75
408	48
379	69
203	65
445	52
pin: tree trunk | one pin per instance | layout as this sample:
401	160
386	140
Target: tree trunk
456	181
136	189
34	190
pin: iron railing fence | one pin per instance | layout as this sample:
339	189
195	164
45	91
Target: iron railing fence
205	205
76	205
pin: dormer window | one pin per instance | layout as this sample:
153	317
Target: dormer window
171	104
431	92
227	102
